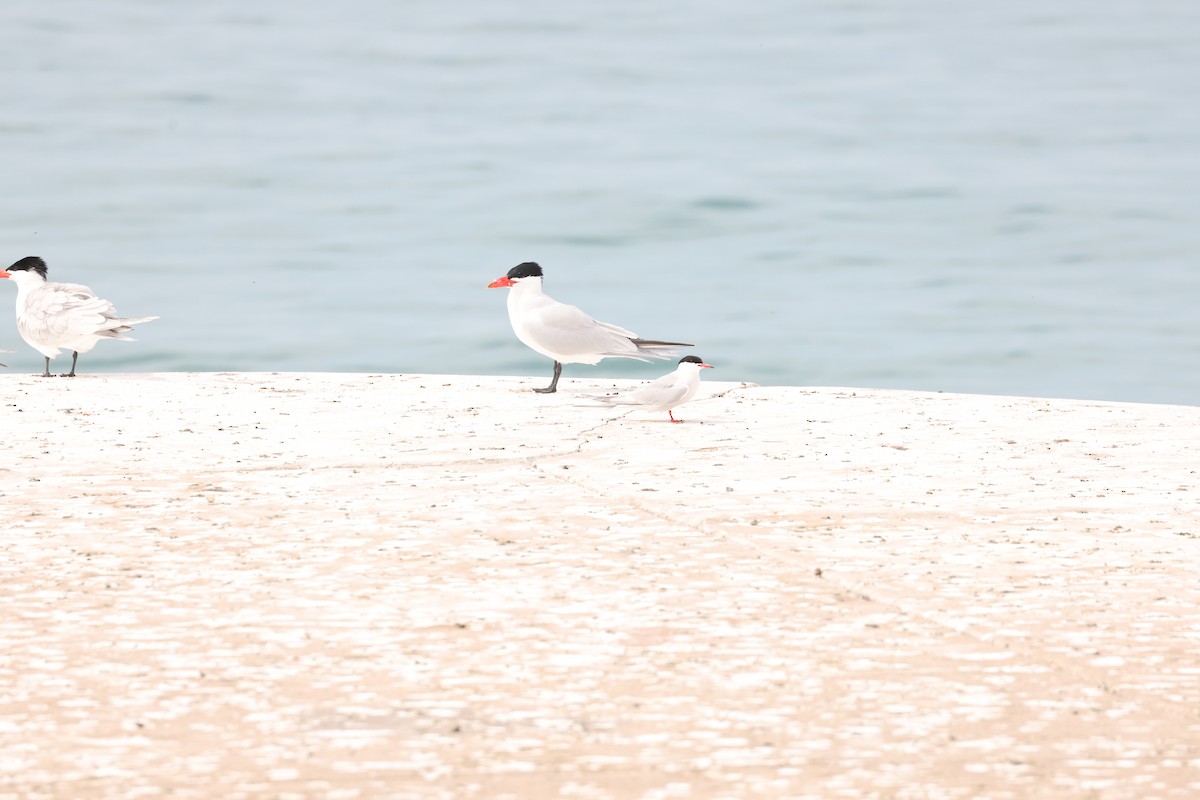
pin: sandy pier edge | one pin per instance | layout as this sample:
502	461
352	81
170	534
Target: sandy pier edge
260	585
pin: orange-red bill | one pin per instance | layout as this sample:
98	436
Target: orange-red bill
500	282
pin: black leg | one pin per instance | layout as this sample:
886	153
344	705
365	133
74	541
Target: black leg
74	358
553	387
46	371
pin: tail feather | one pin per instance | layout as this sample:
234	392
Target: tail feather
123	325
655	343
127	321
657	349
606	399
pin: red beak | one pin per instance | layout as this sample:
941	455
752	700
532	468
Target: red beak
4	274
501	282
707	366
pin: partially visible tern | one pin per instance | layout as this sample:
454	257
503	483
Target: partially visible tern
58	316
564	333
664	394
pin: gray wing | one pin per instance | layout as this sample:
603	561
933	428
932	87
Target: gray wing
660	395
568	330
63	310
661	392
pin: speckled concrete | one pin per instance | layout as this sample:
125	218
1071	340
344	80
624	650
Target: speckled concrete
363	586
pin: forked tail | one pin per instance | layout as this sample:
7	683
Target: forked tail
122	326
134	320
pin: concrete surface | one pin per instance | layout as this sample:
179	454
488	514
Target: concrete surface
417	586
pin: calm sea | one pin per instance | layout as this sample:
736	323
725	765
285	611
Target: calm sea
931	194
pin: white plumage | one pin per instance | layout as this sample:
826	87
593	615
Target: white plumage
564	333
665	393
52	317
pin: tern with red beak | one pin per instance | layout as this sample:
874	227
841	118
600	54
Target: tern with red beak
62	316
663	394
564	333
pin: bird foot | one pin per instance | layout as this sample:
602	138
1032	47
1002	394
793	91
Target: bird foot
62	375
546	390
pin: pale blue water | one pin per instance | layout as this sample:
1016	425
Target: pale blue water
980	197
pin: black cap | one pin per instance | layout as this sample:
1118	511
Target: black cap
30	263
529	269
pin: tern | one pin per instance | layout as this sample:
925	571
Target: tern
57	316
564	333
671	390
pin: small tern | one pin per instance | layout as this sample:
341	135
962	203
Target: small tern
665	393
564	333
57	316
